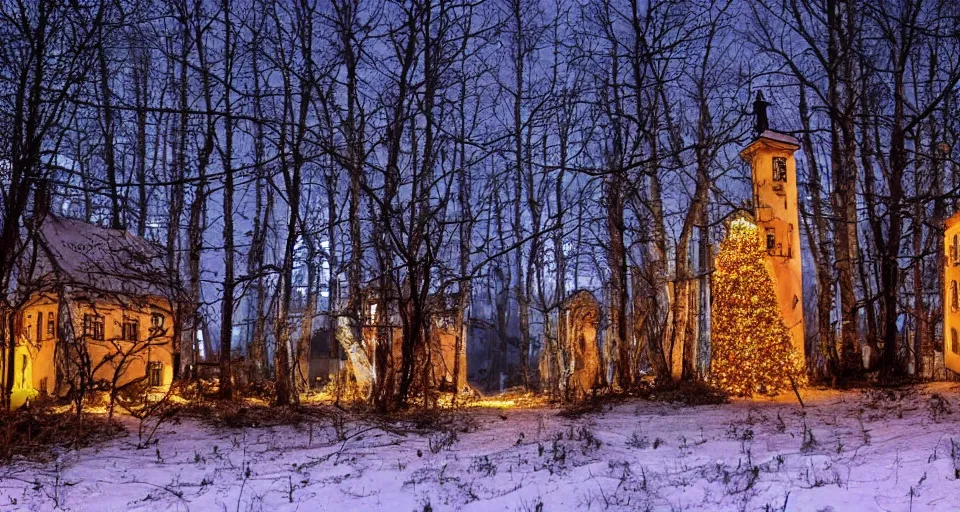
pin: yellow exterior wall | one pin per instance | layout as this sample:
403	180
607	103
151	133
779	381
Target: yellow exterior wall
951	294
37	370
442	347
775	211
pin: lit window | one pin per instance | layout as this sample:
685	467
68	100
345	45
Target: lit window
156	321
155	374
93	326
780	169
51	325
131	329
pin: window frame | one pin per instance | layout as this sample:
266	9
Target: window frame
154	369
94	326
771	238
779	174
130	329
955	250
954	296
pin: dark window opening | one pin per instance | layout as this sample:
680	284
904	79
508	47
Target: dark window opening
51	325
93	326
155	373
40	326
954	297
955	250
771	239
130	330
780	169
954	342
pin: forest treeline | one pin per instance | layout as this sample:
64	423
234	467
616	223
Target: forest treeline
296	156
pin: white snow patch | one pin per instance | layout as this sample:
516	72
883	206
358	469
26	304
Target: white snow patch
875	450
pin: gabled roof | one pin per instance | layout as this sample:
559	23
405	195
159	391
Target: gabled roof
87	257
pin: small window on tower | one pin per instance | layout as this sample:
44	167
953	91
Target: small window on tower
780	169
51	325
771	239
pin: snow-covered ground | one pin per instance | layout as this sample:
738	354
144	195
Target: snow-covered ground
892	450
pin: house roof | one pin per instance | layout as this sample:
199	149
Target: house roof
81	255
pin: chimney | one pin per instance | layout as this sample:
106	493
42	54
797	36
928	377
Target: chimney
41	199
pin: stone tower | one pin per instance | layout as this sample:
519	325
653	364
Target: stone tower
774	173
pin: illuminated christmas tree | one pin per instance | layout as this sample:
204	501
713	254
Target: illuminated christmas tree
750	345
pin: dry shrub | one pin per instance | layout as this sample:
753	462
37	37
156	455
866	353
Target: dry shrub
687	393
33	433
583	407
424	420
243	414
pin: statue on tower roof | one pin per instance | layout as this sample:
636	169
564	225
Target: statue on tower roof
760	111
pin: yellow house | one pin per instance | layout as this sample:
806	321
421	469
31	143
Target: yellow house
951	294
774	173
94	313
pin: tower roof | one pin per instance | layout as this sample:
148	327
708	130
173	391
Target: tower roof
769	138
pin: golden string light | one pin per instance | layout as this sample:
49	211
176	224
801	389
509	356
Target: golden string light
751	349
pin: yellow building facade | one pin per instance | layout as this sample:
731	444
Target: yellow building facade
951	294
774	173
125	342
91	302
